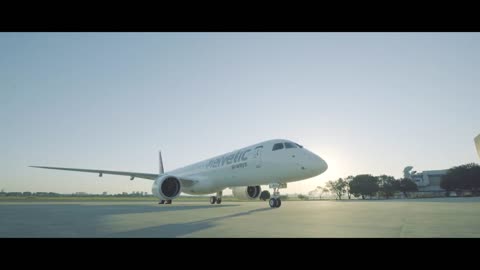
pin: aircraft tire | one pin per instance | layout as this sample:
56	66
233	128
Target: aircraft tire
272	202
278	203
213	199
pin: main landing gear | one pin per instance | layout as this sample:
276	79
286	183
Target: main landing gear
165	202
265	195
216	199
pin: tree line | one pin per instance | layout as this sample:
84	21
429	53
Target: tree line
367	185
459	179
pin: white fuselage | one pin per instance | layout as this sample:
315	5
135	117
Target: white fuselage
257	164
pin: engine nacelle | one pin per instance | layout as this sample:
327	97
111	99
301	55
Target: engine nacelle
246	193
166	187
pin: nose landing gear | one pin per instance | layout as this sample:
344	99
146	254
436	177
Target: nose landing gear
275	201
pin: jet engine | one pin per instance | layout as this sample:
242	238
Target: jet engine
166	187
246	193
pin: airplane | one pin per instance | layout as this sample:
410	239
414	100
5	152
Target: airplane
273	162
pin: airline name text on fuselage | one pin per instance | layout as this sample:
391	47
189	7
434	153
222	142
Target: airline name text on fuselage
228	159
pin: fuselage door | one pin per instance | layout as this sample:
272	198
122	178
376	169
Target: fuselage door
258	156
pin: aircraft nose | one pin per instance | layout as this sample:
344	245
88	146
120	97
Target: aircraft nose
323	165
320	165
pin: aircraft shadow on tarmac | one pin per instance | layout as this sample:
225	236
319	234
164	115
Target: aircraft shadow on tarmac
180	229
72	220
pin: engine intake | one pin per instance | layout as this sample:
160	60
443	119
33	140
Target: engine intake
246	193
166	187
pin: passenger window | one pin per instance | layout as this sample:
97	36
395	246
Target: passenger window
290	145
277	146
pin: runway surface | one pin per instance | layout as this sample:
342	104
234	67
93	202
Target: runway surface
445	217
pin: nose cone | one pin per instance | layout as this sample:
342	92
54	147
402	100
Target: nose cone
320	166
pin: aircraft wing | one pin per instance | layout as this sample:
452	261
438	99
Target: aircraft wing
186	182
150	176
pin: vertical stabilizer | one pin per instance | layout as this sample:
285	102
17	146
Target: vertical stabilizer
160	163
477	144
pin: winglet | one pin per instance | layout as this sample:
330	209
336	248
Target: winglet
160	162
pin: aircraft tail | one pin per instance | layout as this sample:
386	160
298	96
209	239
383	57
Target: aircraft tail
477	144
160	161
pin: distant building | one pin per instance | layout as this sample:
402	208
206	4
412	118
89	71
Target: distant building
427	181
477	144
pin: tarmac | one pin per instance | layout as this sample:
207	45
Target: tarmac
425	218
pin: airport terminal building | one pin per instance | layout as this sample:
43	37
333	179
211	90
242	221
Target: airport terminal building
427	181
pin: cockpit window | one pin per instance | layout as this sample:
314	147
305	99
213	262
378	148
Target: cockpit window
299	145
277	146
290	145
